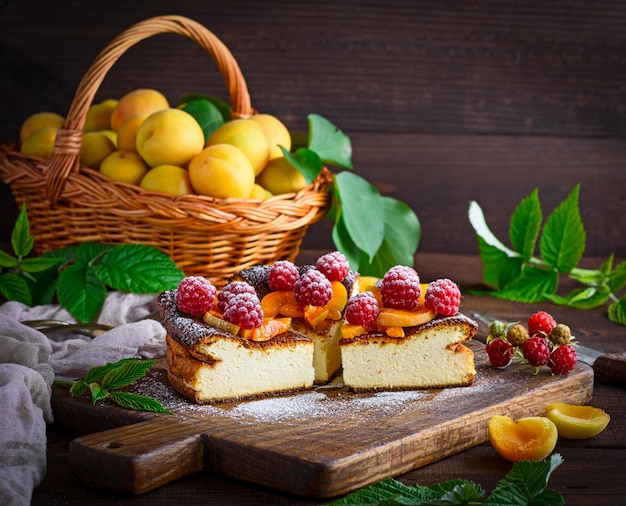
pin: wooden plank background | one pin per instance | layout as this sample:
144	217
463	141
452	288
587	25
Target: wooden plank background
445	102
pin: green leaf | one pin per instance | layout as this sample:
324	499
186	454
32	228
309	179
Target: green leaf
125	374
344	244
306	161
385	490
78	388
617	311
14	287
97	392
532	286
499	269
330	143
38	264
525	225
98	372
361	210
582	298
7	260
525	482
617	278
81	291
208	116
139	269
21	239
220	105
137	402
401	238
89	252
478	222
563	239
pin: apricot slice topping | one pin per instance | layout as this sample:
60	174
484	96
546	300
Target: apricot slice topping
314	315
350	330
389	317
274	301
270	328
577	422
339	297
212	319
531	438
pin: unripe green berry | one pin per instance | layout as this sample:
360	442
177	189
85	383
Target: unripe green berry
517	334
561	334
497	328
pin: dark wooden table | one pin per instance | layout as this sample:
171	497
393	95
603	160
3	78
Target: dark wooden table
592	473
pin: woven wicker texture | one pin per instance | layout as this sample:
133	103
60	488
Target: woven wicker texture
68	204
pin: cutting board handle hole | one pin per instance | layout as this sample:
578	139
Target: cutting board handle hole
113	445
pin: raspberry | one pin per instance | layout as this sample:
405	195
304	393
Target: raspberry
561	334
232	289
517	334
541	322
282	276
334	266
244	309
500	352
362	309
401	288
536	351
443	296
312	288
563	359
195	295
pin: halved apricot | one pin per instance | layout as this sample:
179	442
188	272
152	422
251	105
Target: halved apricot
366	283
314	315
270	327
293	310
531	438
577	422
389	317
273	301
339	298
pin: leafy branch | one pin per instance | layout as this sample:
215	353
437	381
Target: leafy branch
79	276
517	274
374	232
525	483
102	382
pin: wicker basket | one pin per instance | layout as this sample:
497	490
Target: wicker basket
68	204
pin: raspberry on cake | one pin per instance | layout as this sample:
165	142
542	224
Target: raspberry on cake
412	337
231	352
315	303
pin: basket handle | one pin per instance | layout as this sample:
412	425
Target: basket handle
66	155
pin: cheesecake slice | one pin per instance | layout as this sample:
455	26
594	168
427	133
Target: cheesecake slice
325	334
207	364
430	355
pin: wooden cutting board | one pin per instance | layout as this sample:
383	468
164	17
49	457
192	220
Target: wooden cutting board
323	443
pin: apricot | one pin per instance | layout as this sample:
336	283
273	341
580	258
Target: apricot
276	133
350	330
127	132
167	179
389	317
272	302
124	166
577	422
221	171
314	315
246	135
40	143
169	137
98	117
40	120
95	148
140	101
532	438
279	177
339	298
212	319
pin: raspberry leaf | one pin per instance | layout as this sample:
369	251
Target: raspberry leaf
139	269
126	373
526	224
14	287
21	240
563	240
617	278
499	269
582	298
617	311
532	286
81	291
137	402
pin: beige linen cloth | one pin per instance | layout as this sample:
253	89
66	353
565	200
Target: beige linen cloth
30	361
